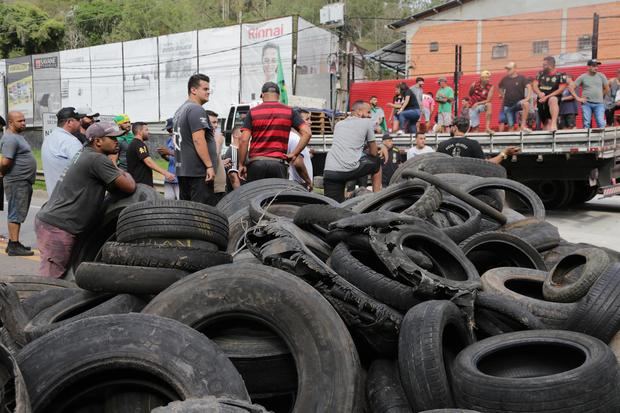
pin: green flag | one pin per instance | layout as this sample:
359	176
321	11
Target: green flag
281	84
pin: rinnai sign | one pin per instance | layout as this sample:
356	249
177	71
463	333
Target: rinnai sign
265	32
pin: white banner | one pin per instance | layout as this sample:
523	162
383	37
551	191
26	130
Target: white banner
49	122
177	62
141	79
46	85
19	86
107	78
75	88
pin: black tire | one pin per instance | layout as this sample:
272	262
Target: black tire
110	278
432	335
61	378
494	249
505	315
210	404
38	302
423	199
176	242
583	192
377	219
524	286
539	234
315	334
450	411
241	197
28	285
351	202
537	371
247	257
238	224
571	278
363	269
188	259
14	394
79	306
492	197
554	194
555	254
321	215
383	388
598	313
456	219
173	219
284	204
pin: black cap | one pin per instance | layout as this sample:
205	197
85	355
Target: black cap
270	87
386	136
69	113
594	62
168	124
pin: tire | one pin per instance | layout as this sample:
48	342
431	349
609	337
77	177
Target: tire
494	249
351	202
432	335
524	286
528	198
173	219
456	219
38	302
315	334
188	259
583	192
241	197
247	257
176	242
537	371
539	234
383	388
554	194
555	254
60	378
505	315
238	224
598	313
210	405
449	411
614	344
110	278
81	305
28	285
284	204
423	199
377	219
364	270
15	394
571	278
320	215
492	197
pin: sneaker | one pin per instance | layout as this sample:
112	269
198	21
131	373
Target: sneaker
24	246
15	249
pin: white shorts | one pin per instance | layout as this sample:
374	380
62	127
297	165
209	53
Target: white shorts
444	118
474	115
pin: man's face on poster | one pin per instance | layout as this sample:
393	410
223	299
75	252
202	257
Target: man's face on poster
270	63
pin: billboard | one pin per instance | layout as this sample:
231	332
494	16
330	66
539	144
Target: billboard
106	62
141	82
46	68
261	43
75	87
178	60
2	89
219	59
20	94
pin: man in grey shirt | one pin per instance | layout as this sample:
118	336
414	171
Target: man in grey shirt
594	88
346	160
19	169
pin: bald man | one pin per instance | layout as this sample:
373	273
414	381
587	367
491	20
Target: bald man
18	168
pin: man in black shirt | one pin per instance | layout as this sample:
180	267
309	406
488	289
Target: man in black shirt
461	146
549	86
516	91
139	162
391	158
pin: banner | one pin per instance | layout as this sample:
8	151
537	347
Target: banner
75	87
106	62
259	57
219	59
141	81
19	86
46	85
177	62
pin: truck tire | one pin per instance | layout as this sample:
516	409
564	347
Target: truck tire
241	197
61	378
383	388
583	192
554	194
537	371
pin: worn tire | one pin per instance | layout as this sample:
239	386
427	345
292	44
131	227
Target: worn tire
528	198
540	234
423	199
58	372
38	302
238	224
28	285
188	259
110	278
321	215
241	197
493	197
504	316
383	388
537	371
525	287
173	219
210	405
456	219
284	204
315	334
15	393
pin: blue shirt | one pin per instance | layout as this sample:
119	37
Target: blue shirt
171	163
57	151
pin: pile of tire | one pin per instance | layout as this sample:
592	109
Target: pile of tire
445	292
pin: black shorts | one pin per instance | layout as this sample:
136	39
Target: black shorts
195	189
544	114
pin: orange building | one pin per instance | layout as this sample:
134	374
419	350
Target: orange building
495	32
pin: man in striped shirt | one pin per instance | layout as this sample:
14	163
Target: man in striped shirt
269	124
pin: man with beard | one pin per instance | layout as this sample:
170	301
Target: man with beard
139	162
86	120
124	140
548	86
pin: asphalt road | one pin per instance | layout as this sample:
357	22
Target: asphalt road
597	223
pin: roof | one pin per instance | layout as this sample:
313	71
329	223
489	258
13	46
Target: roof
391	56
427	13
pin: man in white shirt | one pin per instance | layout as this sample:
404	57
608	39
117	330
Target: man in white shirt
301	169
420	146
60	146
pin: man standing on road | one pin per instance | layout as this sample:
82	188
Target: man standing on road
420	146
346	160
461	146
124	140
301	170
594	88
139	162
60	146
445	97
269	124
88	119
76	203
19	169
171	188
377	115
515	90
548	86
196	151
480	95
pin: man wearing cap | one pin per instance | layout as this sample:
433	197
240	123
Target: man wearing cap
88	119
269	124
60	146
76	202
594	87
515	90
548	86
171	188
124	140
445	97
480	95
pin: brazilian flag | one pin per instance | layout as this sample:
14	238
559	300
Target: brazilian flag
280	81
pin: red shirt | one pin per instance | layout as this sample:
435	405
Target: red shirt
479	93
270	124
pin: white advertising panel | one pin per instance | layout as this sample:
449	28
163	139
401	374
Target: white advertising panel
75	88
46	85
106	62
141	79
178	60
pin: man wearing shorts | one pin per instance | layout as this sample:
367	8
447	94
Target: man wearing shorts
19	169
445	97
515	90
480	95
548	86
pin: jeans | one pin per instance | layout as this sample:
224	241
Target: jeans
510	112
334	182
409	117
599	114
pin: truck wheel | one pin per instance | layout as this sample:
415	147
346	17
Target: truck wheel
555	194
583	192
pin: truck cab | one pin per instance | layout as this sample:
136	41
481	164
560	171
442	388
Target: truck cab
236	116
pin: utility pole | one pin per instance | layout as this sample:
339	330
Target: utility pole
458	69
595	36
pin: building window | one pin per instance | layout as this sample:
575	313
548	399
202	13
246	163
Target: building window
541	47
434	46
584	43
500	51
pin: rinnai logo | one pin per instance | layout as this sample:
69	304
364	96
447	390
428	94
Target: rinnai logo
265	32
